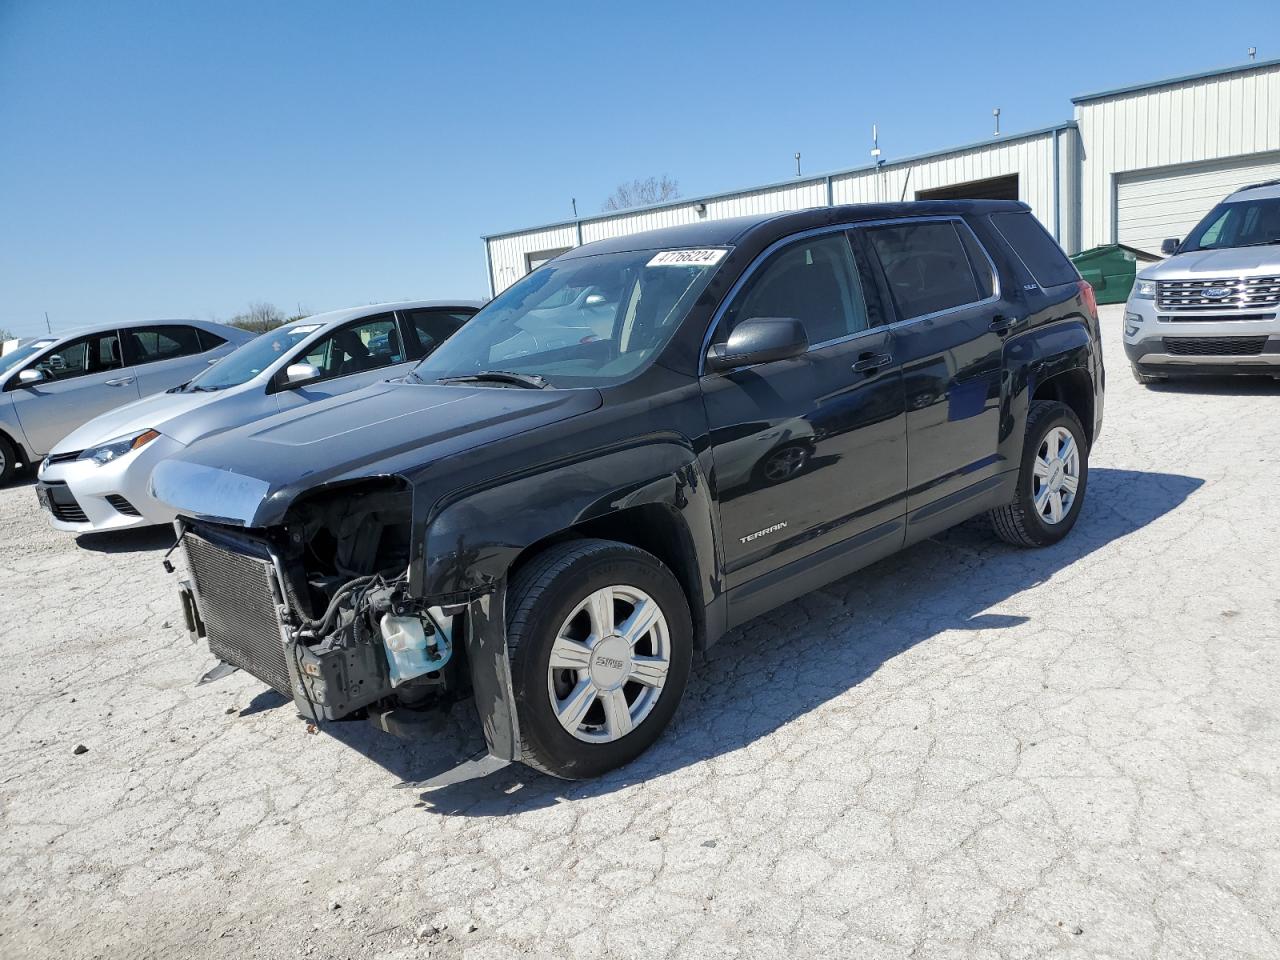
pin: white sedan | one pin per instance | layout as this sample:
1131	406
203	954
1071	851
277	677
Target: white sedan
97	477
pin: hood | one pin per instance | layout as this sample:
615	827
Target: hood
149	413
250	475
1262	261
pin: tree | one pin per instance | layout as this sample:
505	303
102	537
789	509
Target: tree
640	193
259	318
6	335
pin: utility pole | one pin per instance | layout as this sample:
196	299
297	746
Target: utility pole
47	325
574	201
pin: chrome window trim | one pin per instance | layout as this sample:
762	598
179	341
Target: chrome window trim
768	251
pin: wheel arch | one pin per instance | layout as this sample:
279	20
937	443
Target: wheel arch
1074	388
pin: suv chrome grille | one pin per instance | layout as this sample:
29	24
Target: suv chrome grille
236	595
1215	346
1237	293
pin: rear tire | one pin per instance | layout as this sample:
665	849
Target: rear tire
1147	378
1051	481
8	459
612	687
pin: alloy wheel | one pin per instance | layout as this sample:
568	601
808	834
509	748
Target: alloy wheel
608	663
1055	475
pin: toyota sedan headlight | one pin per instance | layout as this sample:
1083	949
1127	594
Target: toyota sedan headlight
104	453
1144	289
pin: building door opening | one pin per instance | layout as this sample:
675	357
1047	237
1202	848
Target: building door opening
996	188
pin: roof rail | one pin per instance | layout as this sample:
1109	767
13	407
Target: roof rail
1255	186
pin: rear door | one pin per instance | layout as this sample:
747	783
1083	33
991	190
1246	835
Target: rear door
163	356
355	355
809	453
85	377
949	338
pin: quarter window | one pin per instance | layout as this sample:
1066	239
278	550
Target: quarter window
814	281
92	354
433	327
149	344
927	267
367	345
1039	251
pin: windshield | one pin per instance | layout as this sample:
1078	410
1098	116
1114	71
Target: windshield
1245	223
24	352
242	365
584	322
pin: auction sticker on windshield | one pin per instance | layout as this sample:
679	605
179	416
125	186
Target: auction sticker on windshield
687	258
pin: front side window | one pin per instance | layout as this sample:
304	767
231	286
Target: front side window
1243	223
432	327
92	354
368	345
926	266
814	281
149	344
582	322
246	362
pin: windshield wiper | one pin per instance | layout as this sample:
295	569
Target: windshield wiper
530	380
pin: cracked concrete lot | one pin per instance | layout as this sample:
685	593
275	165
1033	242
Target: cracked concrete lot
966	751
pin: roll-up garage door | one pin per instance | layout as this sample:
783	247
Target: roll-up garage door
1169	201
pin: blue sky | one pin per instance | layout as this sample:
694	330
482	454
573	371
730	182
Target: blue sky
184	159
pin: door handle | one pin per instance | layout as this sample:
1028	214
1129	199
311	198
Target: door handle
870	362
119	382
1000	323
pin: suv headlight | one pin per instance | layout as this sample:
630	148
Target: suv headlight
1144	289
104	453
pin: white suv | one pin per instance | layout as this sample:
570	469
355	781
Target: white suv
1214	305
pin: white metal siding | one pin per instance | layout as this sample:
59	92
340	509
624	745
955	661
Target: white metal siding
1030	157
1168	202
1212	118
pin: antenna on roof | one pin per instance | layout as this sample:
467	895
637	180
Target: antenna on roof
797	163
875	144
1253	53
996	113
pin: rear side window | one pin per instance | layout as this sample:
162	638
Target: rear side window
149	344
928	267
1039	251
209	341
430	328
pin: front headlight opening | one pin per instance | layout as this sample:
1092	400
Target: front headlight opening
113	449
1144	289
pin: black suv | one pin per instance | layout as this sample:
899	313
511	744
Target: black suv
632	450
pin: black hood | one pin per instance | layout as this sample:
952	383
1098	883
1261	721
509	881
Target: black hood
250	475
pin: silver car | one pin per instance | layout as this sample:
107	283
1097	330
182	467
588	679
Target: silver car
51	385
97	477
1213	307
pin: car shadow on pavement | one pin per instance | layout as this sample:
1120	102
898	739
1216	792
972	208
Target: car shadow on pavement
947	583
1241	386
139	540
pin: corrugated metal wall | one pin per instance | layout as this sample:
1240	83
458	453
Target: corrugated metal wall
1207	118
1028	156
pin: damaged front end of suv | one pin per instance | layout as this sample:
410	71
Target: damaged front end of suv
319	606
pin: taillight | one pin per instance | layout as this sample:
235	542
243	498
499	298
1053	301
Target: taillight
1090	298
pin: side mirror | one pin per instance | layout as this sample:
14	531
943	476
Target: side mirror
594	299
297	373
1169	247
759	340
31	375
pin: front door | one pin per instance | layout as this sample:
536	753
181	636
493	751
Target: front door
809	453
950	342
83	378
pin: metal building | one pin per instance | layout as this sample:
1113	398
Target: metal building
1136	165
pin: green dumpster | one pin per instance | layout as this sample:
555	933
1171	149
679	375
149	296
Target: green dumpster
1110	269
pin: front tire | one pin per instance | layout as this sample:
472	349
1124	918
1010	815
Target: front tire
8	459
1051	481
601	643
1147	378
